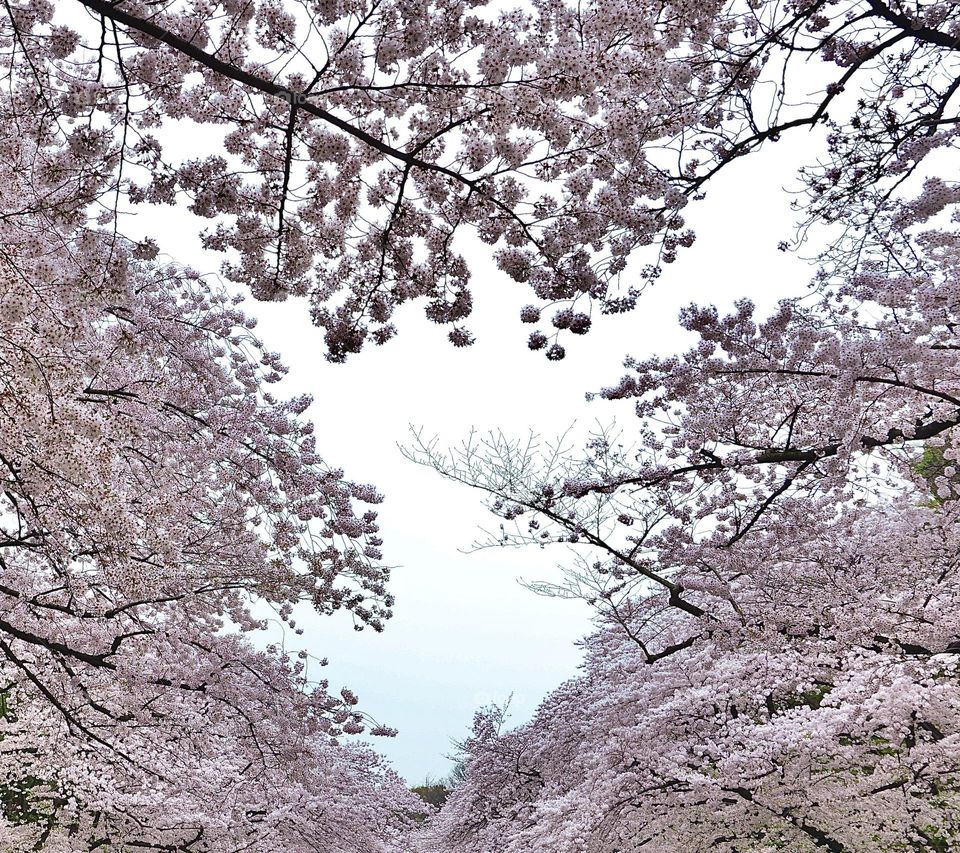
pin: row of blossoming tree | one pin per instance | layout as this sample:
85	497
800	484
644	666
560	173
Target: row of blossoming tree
158	502
775	584
773	549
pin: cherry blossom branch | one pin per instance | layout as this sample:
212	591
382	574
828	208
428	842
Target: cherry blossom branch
240	75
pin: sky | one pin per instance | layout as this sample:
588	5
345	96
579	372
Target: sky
465	631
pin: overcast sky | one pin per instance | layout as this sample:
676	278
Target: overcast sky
465	632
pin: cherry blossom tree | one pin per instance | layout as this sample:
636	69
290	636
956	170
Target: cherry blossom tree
352	142
775	663
773	584
158	504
